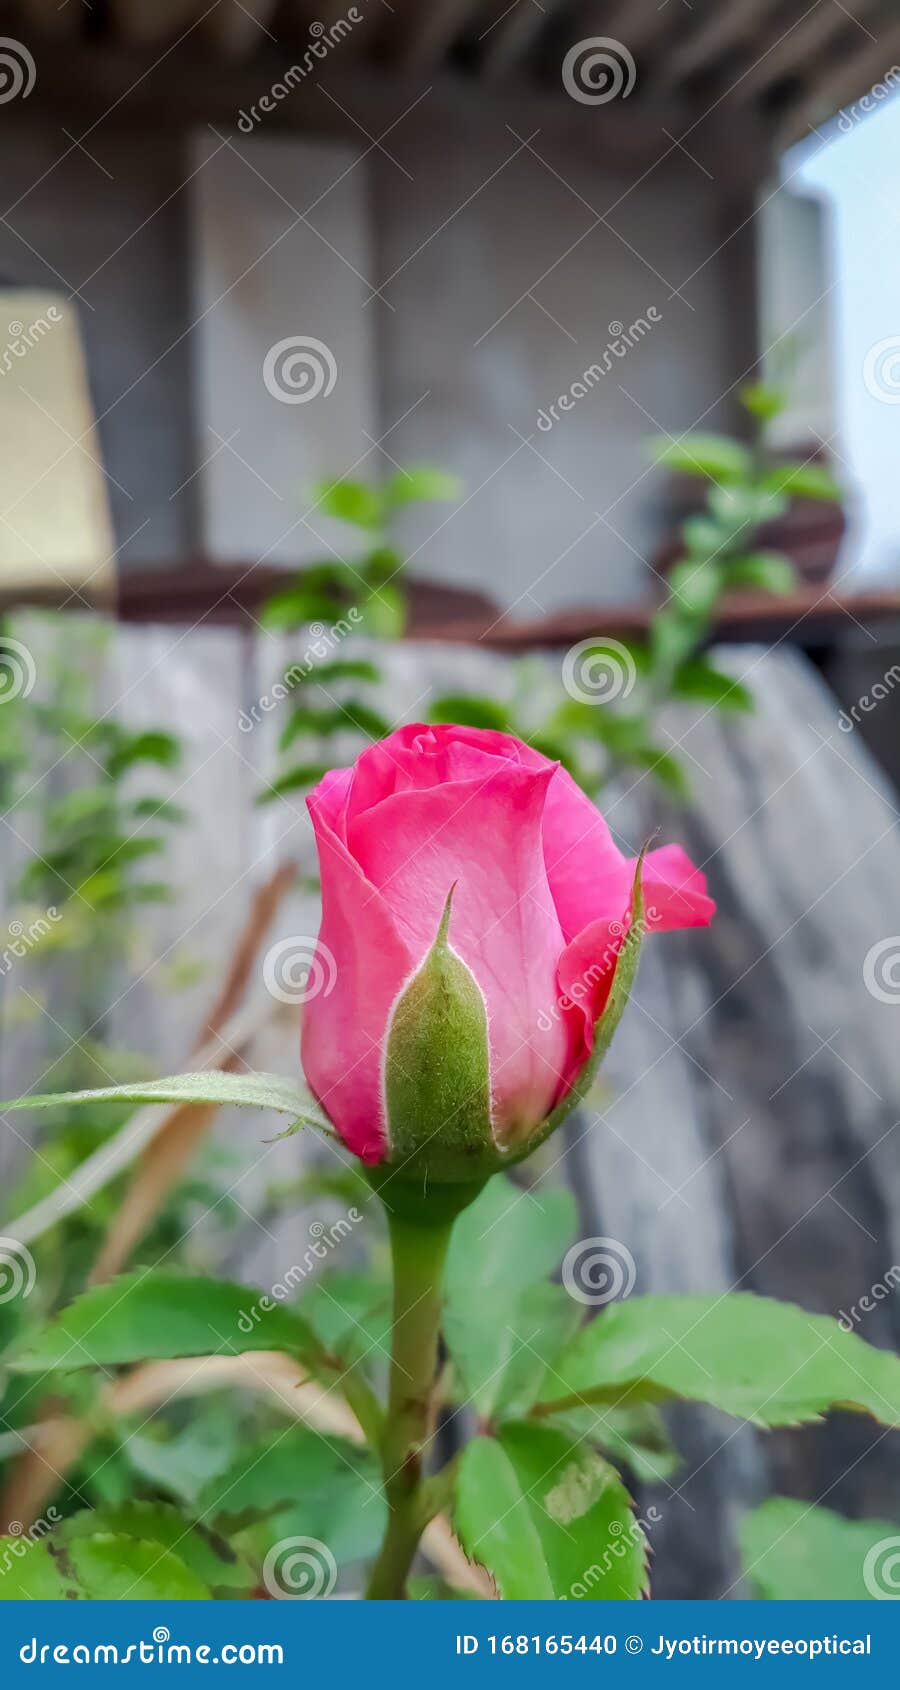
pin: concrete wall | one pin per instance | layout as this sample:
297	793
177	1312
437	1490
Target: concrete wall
501	268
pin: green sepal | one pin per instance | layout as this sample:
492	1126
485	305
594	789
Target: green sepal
437	1072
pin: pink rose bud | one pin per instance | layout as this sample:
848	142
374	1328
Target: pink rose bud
474	906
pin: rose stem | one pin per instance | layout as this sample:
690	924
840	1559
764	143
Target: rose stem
418	1253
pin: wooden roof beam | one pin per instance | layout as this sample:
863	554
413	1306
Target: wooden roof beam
511	40
843	80
721	28
795	46
429	30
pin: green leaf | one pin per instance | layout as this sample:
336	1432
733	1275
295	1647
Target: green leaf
664	766
333	1488
548	1518
804	481
298	605
763	1361
203	1552
700	680
504	1344
100	1567
384	612
696	586
762	401
342	669
633	1436
253	1091
501	1323
508	1238
795	1552
771	572
470	710
350	501
714	455
413	486
154	746
145	1316
301	775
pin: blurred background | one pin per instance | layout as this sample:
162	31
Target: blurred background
531	364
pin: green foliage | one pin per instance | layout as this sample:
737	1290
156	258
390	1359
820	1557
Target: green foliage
763	1361
367	590
616	731
548	1518
148	1315
106	1565
796	1552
